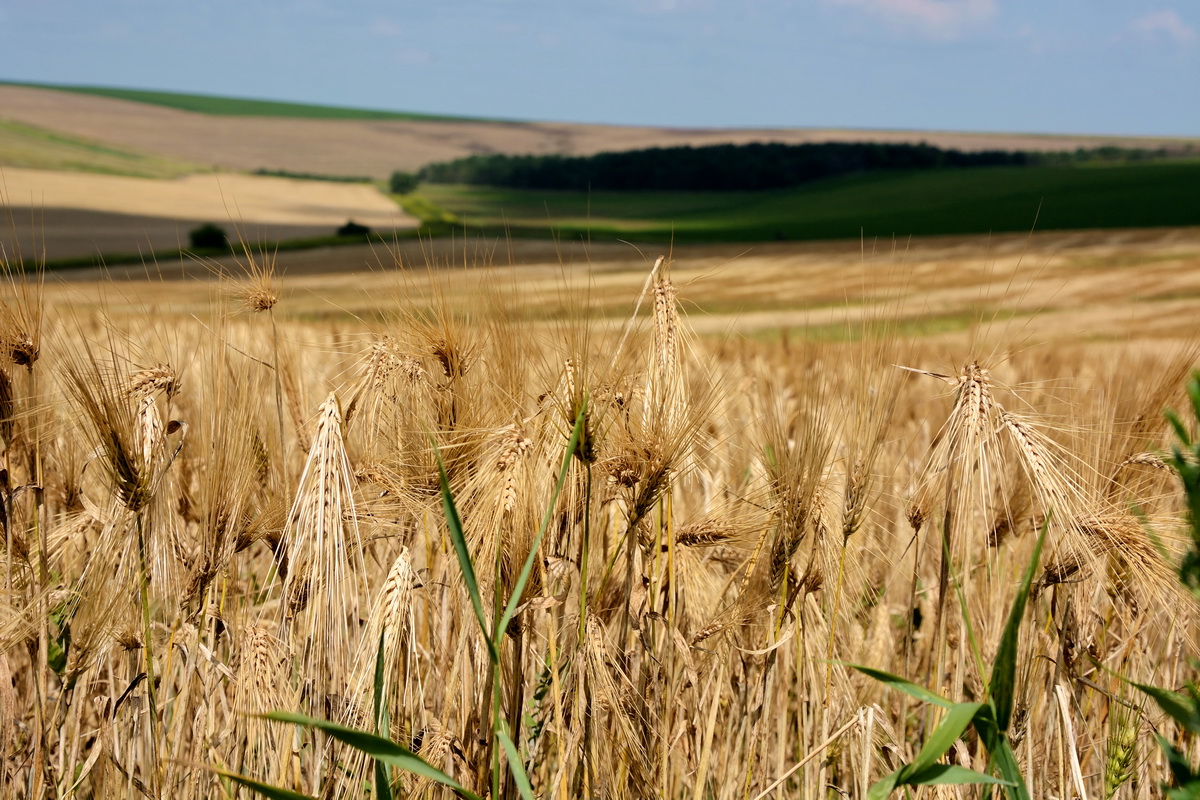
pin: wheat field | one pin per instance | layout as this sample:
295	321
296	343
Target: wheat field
239	495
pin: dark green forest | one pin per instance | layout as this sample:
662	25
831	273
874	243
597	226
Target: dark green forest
728	167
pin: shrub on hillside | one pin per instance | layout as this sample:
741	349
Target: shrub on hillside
208	237
403	182
352	228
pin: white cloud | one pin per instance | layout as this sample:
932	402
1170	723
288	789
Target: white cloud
941	19
1164	23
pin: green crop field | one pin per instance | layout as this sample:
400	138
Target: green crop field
242	107
881	204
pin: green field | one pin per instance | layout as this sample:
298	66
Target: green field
242	107
891	204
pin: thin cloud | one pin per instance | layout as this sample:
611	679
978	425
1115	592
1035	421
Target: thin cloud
943	19
1166	23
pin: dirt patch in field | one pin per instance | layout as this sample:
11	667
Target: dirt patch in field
376	148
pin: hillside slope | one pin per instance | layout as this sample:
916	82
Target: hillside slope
933	202
376	147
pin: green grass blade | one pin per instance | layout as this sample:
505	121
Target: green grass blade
1180	429
906	686
1004	671
963	608
1193	390
1181	771
1178	707
514	758
952	773
1004	762
511	608
941	740
383	780
265	789
459	540
881	788
377	747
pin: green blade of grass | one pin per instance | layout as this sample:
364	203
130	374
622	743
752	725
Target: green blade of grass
383	781
964	609
1004	670
265	789
1180	429
1004	760
511	608
1193	390
941	740
376	747
459	541
514	762
884	786
1178	707
1181	771
906	686
953	774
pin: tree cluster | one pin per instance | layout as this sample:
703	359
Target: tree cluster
723	167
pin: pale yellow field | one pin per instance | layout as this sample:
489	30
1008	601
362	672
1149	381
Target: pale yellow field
250	198
1075	286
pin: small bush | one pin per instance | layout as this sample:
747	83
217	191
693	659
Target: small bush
352	228
403	182
208	237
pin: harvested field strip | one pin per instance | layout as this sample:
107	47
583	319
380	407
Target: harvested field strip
214	197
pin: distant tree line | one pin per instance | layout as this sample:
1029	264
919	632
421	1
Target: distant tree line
730	167
722	167
311	176
1110	154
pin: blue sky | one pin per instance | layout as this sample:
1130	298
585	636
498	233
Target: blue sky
1062	66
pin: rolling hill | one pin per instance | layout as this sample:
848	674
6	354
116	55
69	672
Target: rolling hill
145	151
883	204
248	135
